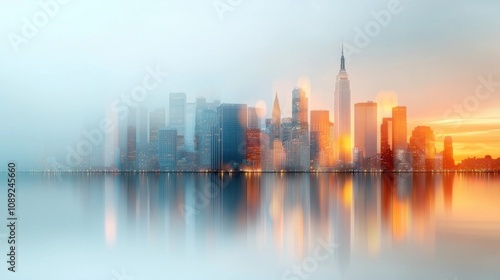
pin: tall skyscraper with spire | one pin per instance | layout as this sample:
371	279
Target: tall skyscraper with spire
342	115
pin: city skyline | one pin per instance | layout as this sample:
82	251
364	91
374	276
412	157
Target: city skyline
233	137
178	103
67	74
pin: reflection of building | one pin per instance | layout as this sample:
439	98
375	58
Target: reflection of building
422	210
448	191
395	204
229	138
366	200
408	202
423	149
342	115
365	131
167	148
342	219
448	161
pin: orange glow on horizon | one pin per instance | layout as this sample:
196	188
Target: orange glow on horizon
476	136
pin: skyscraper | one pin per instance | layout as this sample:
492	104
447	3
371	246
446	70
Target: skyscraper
286	129
131	147
401	157
300	104
320	131
423	149
278	156
254	120
253	149
275	122
386	155
189	127
399	129
111	148
229	137
298	149
315	148
206	116
342	115
365	129
156	121
167	148
448	161
207	119
177	112
142	126
265	152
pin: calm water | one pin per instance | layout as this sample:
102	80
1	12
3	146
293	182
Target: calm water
269	226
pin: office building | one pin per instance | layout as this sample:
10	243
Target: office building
342	116
229	137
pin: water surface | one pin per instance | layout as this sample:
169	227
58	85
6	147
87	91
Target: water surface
257	226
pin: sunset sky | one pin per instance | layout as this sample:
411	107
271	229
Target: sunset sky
431	56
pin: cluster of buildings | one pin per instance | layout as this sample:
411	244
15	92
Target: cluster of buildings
215	136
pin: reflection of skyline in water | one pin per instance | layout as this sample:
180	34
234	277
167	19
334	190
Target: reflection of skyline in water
287	211
276	220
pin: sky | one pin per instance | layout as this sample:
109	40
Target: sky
438	58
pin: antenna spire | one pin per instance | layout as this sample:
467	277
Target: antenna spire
342	59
